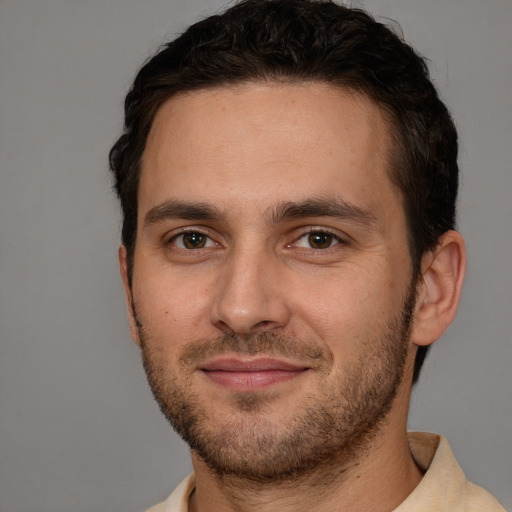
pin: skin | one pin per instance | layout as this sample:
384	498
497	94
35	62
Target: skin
246	153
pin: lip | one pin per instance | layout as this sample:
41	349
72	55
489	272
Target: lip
250	374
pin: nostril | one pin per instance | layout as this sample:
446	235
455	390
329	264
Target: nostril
259	327
245	304
263	326
263	323
224	327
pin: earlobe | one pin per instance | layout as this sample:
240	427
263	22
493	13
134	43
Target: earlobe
439	288
123	268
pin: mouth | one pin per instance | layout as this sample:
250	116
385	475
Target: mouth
254	374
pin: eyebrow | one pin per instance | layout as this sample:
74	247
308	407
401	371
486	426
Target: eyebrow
336	208
181	210
315	207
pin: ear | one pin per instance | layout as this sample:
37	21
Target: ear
439	288
123	267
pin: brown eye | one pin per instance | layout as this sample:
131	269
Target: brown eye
317	240
192	240
320	240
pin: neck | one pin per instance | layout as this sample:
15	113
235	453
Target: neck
377	481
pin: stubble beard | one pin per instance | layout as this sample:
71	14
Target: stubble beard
332	430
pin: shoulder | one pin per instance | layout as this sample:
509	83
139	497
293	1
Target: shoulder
178	499
476	499
444	487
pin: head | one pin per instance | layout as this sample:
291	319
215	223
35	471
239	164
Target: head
296	41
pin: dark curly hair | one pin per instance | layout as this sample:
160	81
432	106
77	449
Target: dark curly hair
307	40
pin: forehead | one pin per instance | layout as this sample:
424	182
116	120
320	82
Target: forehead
267	142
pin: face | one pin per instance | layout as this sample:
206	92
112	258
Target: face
271	286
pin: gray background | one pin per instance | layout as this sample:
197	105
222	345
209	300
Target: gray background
78	427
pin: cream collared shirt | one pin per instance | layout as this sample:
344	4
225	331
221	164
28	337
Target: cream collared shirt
444	487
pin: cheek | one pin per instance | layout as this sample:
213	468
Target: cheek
347	308
172	310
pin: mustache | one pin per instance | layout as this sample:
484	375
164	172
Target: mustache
266	343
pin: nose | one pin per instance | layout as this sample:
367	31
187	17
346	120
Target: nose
250	296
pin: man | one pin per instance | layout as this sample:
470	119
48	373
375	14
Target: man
288	177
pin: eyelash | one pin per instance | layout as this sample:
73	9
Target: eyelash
172	240
332	240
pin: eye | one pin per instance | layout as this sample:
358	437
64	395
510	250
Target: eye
317	240
192	240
